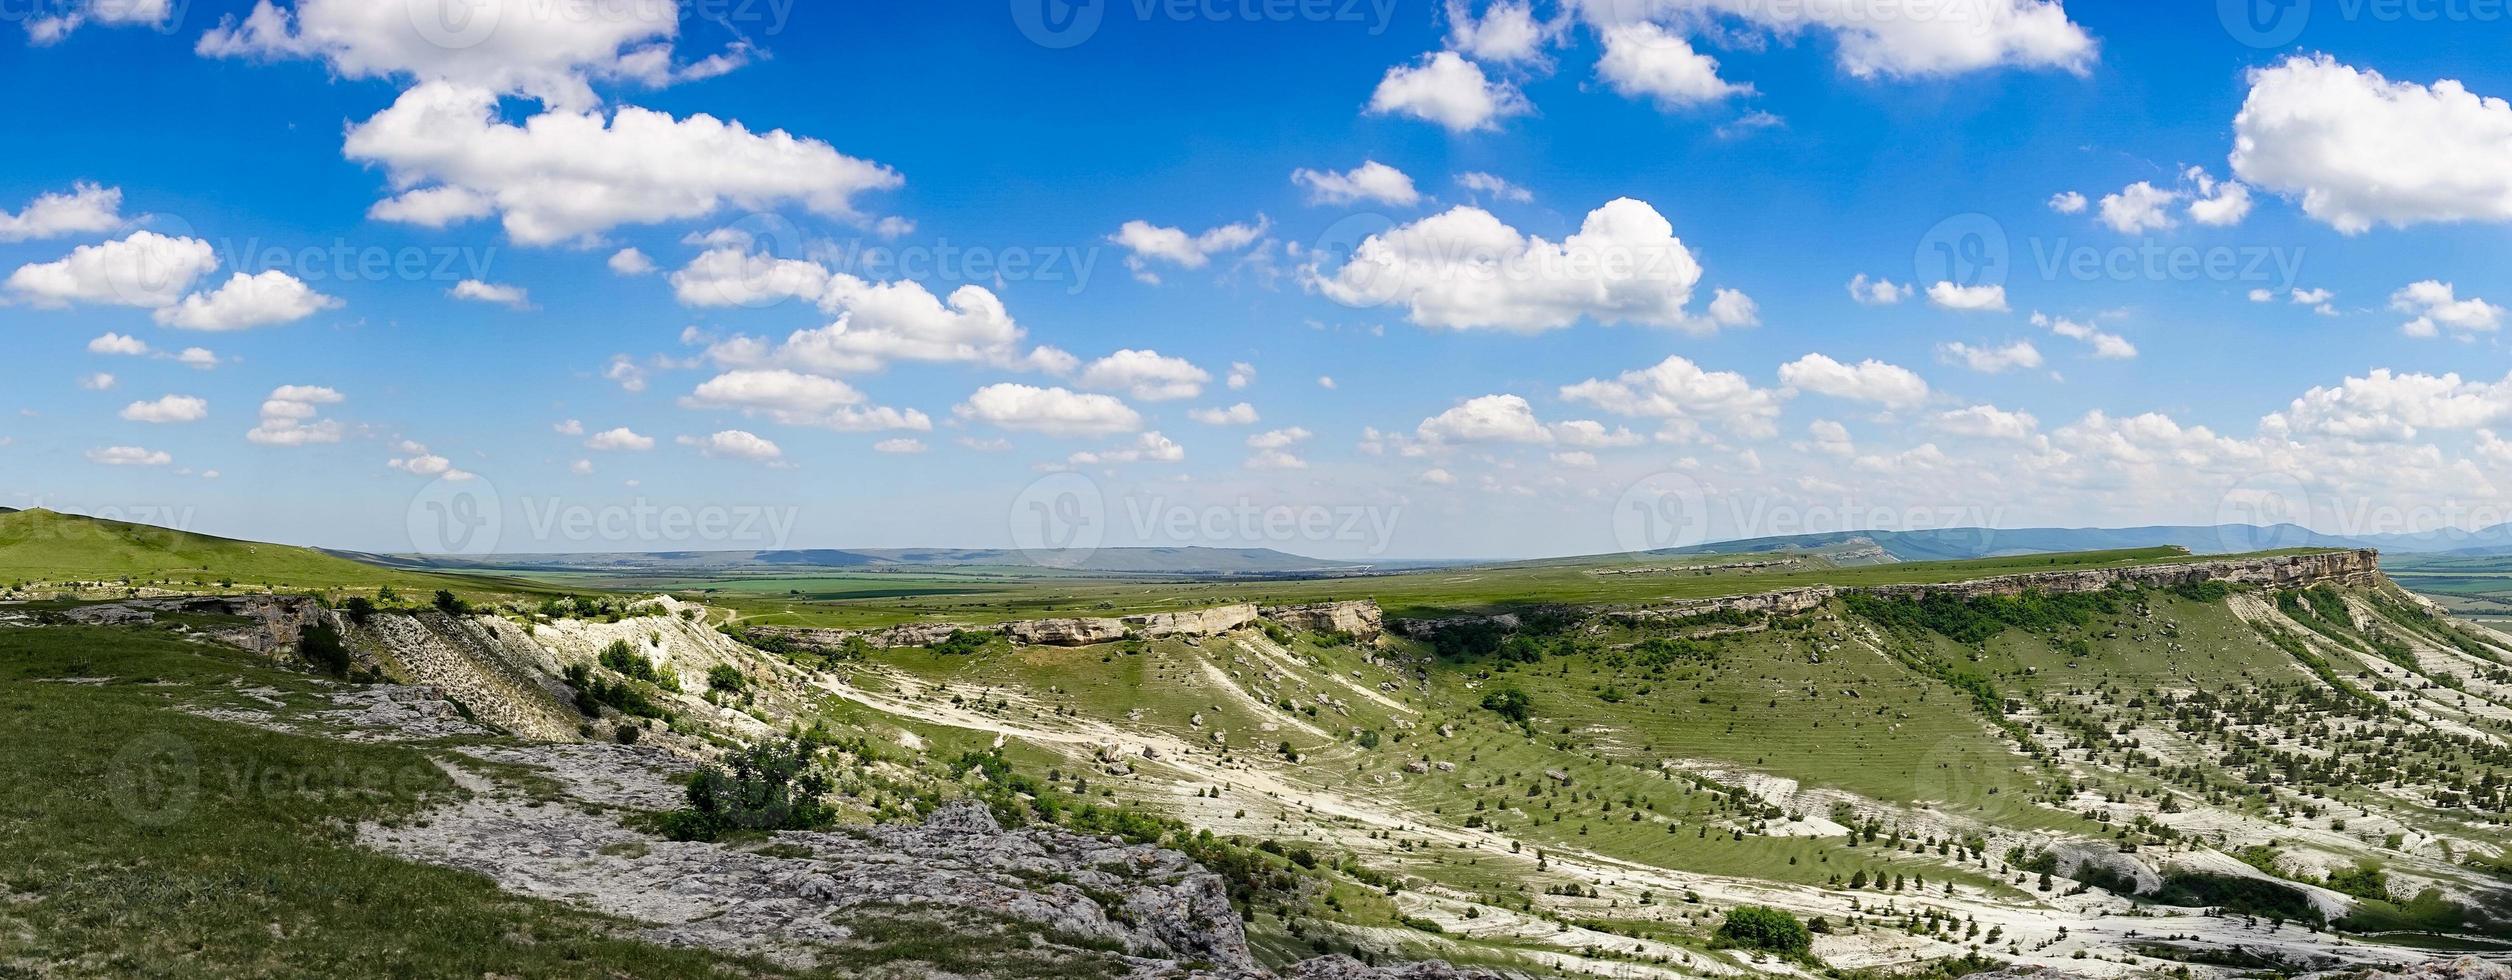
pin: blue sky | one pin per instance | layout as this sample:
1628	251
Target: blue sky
1094	237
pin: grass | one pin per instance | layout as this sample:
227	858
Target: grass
862	600
50	547
136	840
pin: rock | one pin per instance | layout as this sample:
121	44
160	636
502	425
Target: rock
1341	967
1361	618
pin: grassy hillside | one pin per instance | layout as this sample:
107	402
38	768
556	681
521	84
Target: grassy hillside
1913	772
42	546
871	600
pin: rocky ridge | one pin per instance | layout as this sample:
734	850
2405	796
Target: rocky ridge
1359	617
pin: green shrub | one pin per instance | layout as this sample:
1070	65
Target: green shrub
1765	928
320	645
726	678
773	785
1510	703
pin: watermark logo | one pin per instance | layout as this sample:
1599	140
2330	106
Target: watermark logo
1059	520
1058	24
1360	282
456	517
1660	511
2264	23
1967	250
456	25
155	780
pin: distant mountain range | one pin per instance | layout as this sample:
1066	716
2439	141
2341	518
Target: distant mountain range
1978	542
1106	561
1946	544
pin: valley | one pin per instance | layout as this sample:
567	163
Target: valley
2104	764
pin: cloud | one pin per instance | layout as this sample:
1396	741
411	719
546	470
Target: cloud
1371	181
2361	150
146	270
86	209
625	373
290	417
1494	187
2392	407
50	23
899	447
171	408
1976	299
1326	381
630	262
128	456
1895	40
1643	60
1148	243
1242	374
567	176
794	398
475	291
1732	308
2067	202
1992	360
1870	380
1464	269
544	50
248	301
2219	204
1052	411
1876	292
2437	307
568	427
1146	375
2138	207
99	381
876	322
1239	414
1680	392
118	344
735	444
2109	346
198	358
1506	33
416	460
1830	438
1446	89
622	439
1489	418
1273	449
1987	422
1149	447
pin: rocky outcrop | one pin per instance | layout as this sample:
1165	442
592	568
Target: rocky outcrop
2273	571
1360	618
487	664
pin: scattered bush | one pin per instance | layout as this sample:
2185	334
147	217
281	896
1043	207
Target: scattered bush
773	785
726	678
1764	928
320	645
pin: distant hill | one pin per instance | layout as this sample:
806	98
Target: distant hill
1947	544
1121	561
47	546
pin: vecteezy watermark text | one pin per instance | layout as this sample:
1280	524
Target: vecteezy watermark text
1067	23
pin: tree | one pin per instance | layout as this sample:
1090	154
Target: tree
1765	928
1509	703
773	785
451	604
320	645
